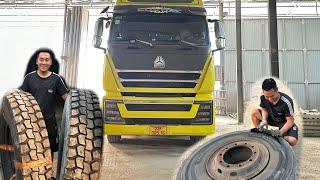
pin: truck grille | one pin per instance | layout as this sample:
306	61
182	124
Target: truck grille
143	94
163	1
158	107
159	78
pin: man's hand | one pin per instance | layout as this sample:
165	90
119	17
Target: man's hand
263	124
64	96
275	132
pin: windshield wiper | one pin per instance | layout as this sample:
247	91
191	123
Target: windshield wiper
189	43
141	41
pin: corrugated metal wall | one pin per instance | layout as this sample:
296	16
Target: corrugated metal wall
299	58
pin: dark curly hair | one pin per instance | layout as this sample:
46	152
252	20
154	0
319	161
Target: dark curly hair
32	64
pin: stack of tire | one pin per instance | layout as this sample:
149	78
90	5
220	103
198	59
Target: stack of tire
24	145
239	155
311	123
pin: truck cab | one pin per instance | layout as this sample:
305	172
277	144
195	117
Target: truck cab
158	69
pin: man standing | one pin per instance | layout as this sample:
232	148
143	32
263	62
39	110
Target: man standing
276	110
45	85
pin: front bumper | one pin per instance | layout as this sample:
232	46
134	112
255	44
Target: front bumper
196	118
171	130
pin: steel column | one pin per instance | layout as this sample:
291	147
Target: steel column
76	20
240	106
222	59
273	35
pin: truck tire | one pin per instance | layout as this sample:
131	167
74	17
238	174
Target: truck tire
195	139
239	155
81	137
23	132
114	138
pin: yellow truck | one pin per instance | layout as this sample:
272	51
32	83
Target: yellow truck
158	69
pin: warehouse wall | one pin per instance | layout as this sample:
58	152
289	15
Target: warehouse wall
22	31
299	54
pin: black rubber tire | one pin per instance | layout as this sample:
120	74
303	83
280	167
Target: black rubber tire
81	137
22	126
114	138
195	139
239	155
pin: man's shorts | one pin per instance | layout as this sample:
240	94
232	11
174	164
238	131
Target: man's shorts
293	131
54	140
53	134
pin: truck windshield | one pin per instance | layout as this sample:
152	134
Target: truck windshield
160	28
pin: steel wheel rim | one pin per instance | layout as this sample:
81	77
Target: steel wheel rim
238	160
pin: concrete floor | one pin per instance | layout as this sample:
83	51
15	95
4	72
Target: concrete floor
156	158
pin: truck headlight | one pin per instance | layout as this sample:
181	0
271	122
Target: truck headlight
204	114
111	112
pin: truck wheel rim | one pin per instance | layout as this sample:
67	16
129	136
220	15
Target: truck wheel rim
238	160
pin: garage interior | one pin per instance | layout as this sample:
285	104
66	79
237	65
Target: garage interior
289	28
71	25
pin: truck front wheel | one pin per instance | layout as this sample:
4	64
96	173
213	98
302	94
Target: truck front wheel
114	138
195	139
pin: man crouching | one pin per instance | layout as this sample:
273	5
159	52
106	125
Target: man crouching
276	110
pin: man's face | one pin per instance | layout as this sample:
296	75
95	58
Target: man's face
272	95
44	61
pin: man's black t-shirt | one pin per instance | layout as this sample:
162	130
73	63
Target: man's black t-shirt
44	91
277	113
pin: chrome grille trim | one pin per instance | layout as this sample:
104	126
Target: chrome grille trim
158	80
157	71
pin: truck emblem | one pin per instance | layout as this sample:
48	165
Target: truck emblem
159	63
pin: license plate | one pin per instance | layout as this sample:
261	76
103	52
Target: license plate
157	130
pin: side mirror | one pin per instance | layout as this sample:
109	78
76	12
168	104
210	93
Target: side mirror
219	33
98	31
